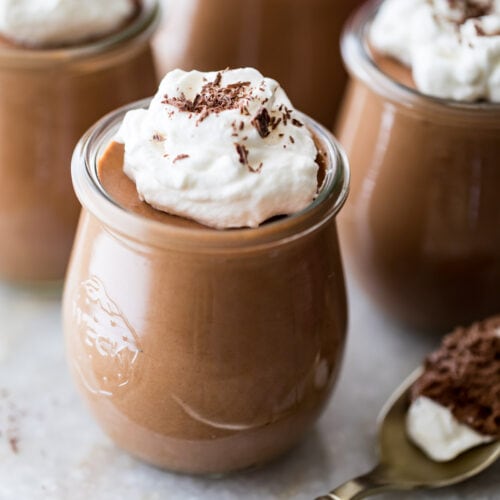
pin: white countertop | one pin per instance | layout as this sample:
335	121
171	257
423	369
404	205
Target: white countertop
51	449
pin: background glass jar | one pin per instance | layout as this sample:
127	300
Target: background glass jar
199	350
48	98
294	41
422	226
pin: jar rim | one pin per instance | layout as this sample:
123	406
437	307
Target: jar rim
360	64
93	196
142	26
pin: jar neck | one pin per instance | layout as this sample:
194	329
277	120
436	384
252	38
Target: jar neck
361	66
94	198
138	31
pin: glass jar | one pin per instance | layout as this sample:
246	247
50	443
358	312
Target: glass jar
294	41
199	350
422	226
48	98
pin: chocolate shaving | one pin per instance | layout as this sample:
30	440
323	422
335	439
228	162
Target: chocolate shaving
261	122
213	98
13	442
180	157
297	123
157	137
242	153
243	158
256	170
218	78
287	115
275	122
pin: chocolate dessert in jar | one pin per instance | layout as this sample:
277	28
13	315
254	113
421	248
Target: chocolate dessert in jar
204	308
293	41
61	68
422	226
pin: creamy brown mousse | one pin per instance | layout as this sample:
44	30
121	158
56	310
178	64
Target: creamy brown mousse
47	100
392	68
421	225
464	376
292	41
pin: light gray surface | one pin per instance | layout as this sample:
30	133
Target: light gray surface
51	449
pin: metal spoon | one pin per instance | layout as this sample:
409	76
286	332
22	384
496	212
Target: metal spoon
402	465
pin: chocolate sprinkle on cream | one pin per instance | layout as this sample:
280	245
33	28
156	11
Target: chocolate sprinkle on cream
261	122
242	153
158	137
180	157
243	157
218	78
213	99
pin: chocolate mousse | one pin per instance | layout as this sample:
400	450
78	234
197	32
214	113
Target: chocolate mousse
49	96
201	349
463	378
421	226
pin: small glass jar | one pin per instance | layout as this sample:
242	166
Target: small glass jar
294	41
422	226
48	98
199	350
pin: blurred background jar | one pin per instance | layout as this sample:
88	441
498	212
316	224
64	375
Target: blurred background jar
294	41
48	98
421	229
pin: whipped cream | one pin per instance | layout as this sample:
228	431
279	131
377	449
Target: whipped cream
435	430
453	47
61	22
226	149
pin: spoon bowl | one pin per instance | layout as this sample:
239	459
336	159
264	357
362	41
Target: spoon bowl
402	465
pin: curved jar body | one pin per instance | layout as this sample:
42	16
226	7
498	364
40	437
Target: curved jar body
48	98
294	41
422	226
199	350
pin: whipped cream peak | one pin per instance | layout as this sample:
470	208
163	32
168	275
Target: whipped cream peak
452	46
226	149
62	22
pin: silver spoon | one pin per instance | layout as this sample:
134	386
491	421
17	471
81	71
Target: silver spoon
402	465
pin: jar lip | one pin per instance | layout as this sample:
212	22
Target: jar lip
143	24
94	197
360	63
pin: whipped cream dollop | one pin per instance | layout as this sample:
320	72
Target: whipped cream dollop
61	22
434	429
452	46
226	149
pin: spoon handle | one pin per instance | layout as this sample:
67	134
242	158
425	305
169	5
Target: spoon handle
361	487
